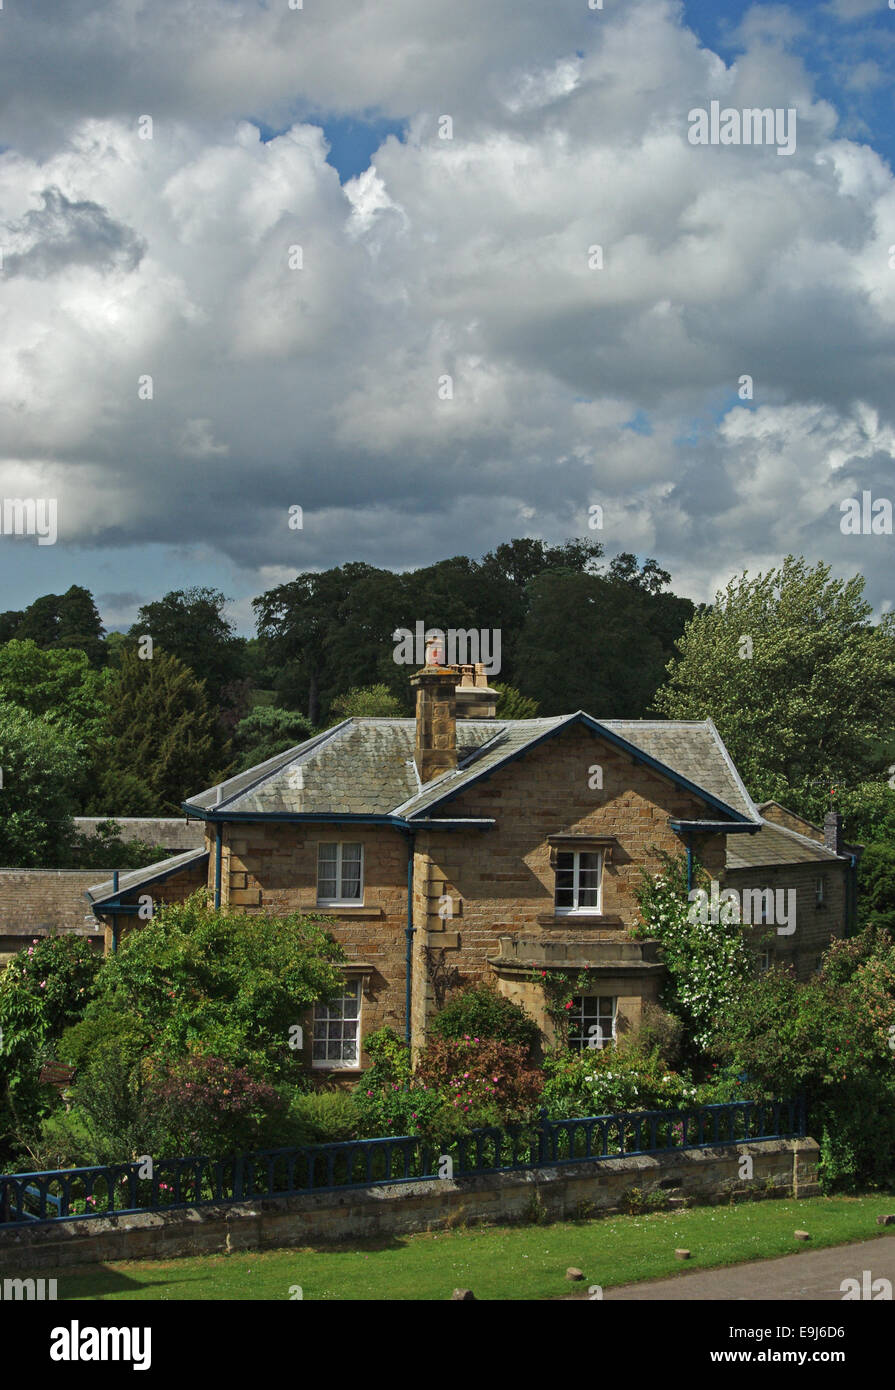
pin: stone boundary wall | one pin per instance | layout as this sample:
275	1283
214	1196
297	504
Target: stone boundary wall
780	1168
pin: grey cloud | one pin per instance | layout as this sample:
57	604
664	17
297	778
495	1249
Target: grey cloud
64	234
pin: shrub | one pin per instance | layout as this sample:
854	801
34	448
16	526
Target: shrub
321	1117
42	990
390	1056
396	1108
481	1012
601	1082
706	963
658	1031
198	1105
832	1038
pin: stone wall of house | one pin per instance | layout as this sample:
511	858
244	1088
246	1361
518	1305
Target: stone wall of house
42	902
782	1168
815	926
780	815
502	882
273	868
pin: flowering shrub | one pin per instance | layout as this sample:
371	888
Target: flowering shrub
473	1072
707	963
396	1107
601	1082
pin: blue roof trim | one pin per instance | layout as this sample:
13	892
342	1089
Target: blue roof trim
339	818
683	783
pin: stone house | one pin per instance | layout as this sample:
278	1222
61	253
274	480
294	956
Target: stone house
458	846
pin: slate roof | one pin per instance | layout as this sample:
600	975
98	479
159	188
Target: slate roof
693	748
775	844
366	766
140	878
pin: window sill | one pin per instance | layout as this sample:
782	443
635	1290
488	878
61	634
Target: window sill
346	910
579	919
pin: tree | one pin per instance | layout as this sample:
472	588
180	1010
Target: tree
162	732
41	767
190	624
513	705
296	620
61	687
587	643
370	701
57	685
267	731
876	886
64	620
795	677
334	631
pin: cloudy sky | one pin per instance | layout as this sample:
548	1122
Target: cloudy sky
256	207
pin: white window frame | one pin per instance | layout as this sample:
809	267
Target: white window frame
820	891
339	901
582	1042
595	909
321	1030
765	959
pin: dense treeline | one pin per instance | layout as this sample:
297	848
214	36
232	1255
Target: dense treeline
789	664
97	723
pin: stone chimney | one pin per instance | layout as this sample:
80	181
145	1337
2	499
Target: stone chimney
475	698
833	832
436	718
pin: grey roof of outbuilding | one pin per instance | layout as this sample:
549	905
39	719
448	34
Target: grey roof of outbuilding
774	844
167	832
366	766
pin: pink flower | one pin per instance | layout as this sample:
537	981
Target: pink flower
43	984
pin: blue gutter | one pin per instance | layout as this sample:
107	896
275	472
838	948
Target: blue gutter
212	813
408	934
716	827
689	864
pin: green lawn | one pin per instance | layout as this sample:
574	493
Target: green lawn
505	1262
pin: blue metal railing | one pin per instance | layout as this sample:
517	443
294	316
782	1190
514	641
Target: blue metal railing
68	1194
